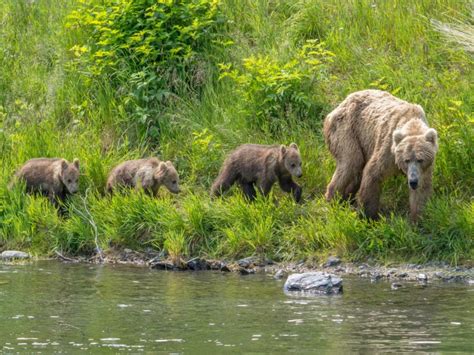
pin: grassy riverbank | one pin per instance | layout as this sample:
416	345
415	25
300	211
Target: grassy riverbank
253	71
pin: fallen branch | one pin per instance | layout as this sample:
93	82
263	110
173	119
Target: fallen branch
65	258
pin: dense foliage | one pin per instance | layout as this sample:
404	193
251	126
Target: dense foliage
189	80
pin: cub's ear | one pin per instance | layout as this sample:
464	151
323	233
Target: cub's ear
431	135
282	149
169	164
163	167
76	163
294	146
398	136
64	164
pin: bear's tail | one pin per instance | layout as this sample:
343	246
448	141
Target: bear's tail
223	182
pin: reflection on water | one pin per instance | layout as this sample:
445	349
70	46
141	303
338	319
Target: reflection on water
50	307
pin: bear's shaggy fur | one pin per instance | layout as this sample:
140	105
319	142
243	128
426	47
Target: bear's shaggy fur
148	174
53	177
261	165
374	135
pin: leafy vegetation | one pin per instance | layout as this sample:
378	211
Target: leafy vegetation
189	80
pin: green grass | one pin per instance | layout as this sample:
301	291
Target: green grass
48	107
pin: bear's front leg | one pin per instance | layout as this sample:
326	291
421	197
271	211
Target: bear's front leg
369	192
249	190
265	187
288	185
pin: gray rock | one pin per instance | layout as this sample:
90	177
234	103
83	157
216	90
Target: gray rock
279	274
374	277
470	282
197	264
163	265
332	261
246	271
248	262
313	283
14	254
395	286
402	274
224	267
391	272
422	277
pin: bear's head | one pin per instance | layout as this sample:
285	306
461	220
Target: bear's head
168	176
414	154
70	175
291	159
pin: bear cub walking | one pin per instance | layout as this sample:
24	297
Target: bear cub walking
148	174
374	135
55	178
260	165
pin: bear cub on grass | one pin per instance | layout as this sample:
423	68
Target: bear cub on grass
260	165
374	135
55	178
148	174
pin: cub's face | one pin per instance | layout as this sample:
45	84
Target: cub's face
292	159
70	175
169	176
415	154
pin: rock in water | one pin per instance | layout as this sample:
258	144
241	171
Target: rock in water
318	283
14	254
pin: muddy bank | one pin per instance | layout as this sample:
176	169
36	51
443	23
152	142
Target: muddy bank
423	273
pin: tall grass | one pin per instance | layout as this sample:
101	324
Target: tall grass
49	107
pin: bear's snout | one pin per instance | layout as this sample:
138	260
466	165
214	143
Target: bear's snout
413	183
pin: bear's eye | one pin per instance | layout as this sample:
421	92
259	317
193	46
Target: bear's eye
293	165
69	181
174	182
420	161
407	161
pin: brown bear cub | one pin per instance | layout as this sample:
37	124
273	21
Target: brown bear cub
261	165
148	174
53	177
374	135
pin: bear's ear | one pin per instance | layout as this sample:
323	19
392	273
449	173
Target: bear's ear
431	136
294	146
163	167
169	164
76	163
282	149
398	136
64	164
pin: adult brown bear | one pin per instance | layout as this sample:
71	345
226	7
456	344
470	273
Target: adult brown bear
374	135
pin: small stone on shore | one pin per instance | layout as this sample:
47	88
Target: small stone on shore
332	261
422	277
279	274
245	271
14	254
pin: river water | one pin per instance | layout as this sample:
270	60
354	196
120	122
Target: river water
52	307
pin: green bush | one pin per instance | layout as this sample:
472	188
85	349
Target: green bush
274	91
151	50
